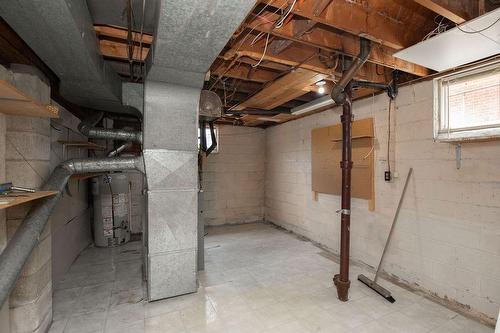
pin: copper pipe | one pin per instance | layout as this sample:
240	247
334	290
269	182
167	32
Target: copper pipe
342	280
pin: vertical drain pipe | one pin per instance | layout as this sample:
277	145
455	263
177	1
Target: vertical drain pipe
342	280
342	95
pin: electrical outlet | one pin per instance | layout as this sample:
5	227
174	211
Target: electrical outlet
387	176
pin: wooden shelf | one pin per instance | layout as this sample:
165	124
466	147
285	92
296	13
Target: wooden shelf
19	198
81	144
15	102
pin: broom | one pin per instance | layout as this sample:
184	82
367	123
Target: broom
373	283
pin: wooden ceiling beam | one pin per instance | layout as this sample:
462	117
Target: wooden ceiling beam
282	90
244	72
116	50
445	9
355	19
122	33
345	44
297	56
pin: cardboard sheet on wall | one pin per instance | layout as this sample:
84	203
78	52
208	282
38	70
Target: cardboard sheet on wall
326	150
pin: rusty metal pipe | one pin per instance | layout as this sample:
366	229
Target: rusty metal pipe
338	94
341	280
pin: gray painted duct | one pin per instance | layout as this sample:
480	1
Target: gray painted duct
26	236
189	35
111	12
61	33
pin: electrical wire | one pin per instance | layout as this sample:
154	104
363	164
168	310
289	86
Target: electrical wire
263	53
481	30
255	27
25	160
141	38
280	23
389	135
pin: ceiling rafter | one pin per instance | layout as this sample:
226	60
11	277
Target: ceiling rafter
117	50
333	42
121	33
355	19
448	11
297	56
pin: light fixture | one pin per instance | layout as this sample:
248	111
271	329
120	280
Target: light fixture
321	85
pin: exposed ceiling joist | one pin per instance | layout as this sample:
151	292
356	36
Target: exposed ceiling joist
446	10
284	89
246	73
297	56
356	19
116	50
121	33
332	42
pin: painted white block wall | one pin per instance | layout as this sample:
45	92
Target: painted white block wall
233	178
70	221
447	238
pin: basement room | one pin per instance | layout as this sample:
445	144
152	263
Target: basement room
250	166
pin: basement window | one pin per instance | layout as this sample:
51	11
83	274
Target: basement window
467	104
209	138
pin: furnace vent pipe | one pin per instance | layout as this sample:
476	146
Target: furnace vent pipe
118	150
27	235
338	94
87	128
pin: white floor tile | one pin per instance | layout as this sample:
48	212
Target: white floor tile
257	279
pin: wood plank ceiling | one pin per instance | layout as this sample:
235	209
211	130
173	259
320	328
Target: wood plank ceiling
285	49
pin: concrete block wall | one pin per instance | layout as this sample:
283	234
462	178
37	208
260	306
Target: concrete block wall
28	152
4	310
70	221
233	178
447	239
27	163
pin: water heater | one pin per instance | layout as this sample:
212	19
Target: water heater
111	209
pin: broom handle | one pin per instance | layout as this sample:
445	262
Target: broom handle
393	223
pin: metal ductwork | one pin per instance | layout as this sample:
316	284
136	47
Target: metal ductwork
338	94
121	148
87	128
27	234
61	33
189	35
110	134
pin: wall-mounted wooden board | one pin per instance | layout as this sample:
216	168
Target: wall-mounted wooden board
326	150
13	101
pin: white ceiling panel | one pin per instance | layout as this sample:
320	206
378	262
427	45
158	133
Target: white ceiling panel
455	47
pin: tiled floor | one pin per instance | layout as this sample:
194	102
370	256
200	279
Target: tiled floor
258	279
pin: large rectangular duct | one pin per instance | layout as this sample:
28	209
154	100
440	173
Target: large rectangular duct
188	37
171	159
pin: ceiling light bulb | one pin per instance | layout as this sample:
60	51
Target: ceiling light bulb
321	90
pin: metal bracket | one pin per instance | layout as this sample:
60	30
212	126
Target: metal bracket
344	211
